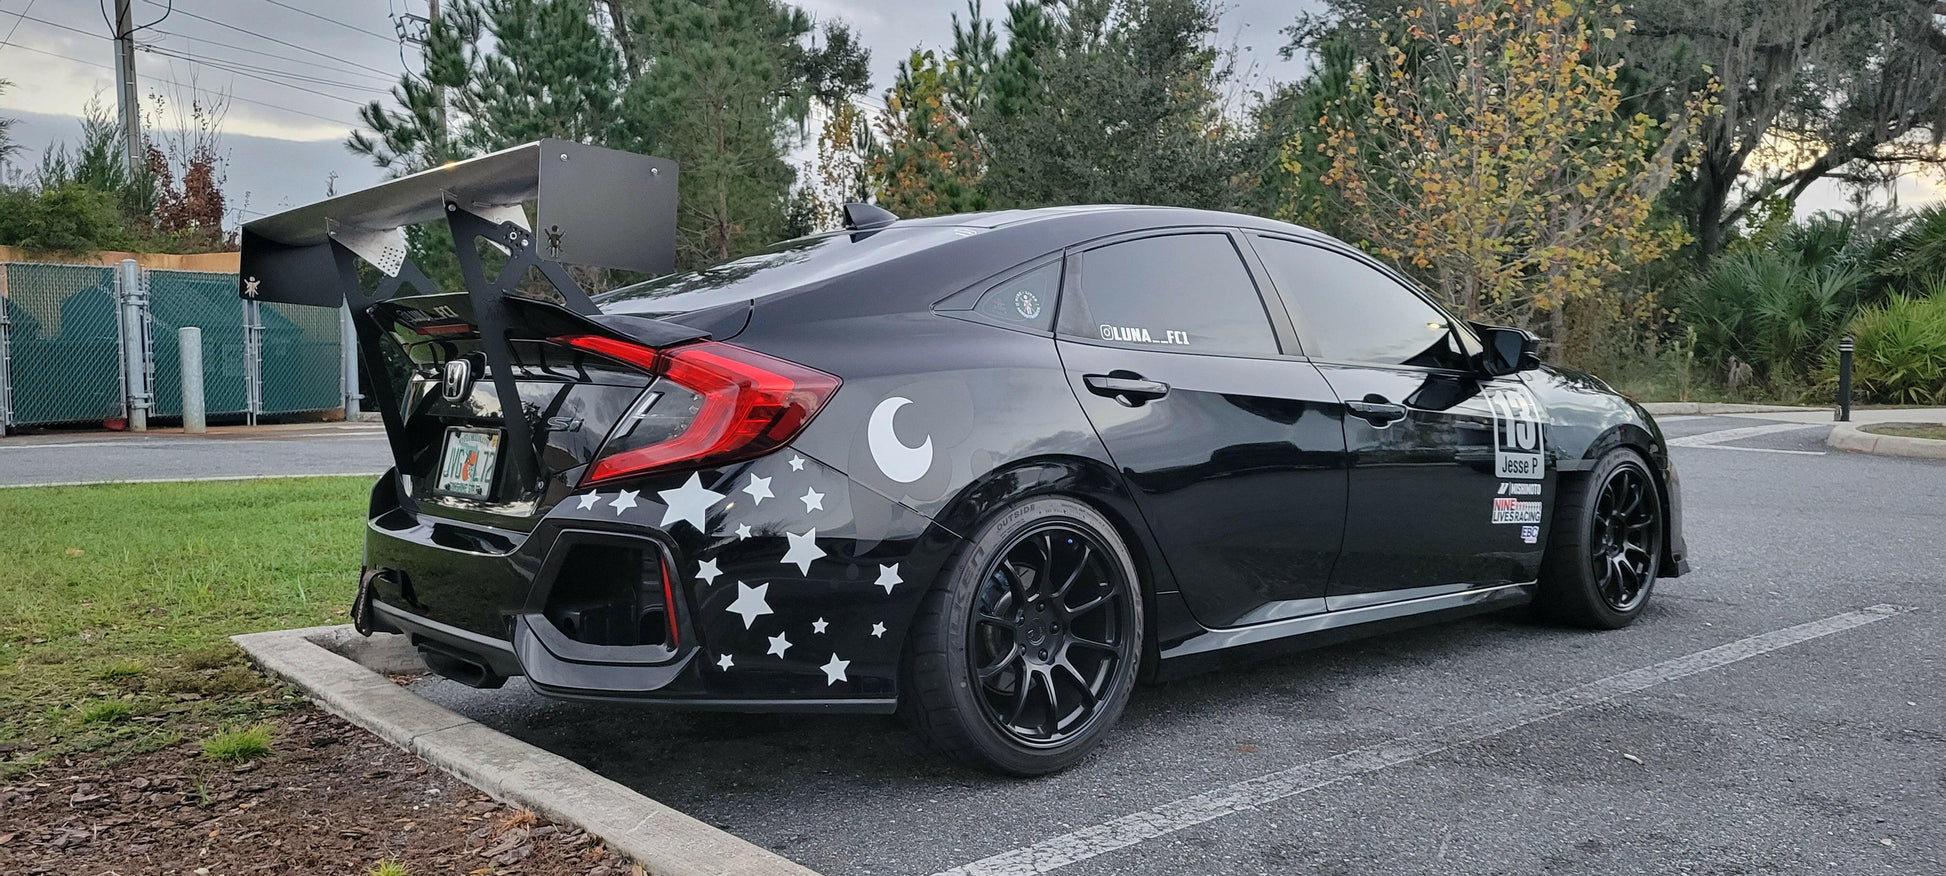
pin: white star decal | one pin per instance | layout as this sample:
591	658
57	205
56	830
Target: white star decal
834	670
797	463
706	571
817	626
743	530
759	489
624	501
888	577
779	644
804	549
878	631
750	603
690	502
725	663
813	500
590	500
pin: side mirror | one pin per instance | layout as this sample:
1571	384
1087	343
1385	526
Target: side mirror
1508	350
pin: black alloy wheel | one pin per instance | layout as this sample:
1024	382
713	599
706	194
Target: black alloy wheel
1024	654
1049	633
1621	551
1605	546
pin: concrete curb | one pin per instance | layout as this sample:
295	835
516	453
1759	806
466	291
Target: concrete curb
1671	409
1850	436
321	662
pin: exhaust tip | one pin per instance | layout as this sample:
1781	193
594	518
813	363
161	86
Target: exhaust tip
459	666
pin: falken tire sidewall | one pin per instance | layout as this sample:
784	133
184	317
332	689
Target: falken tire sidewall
969	736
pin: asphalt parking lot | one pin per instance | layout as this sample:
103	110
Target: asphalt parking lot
1778	711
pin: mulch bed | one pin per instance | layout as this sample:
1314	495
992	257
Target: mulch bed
329	799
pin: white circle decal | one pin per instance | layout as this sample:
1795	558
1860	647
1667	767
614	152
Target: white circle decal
899	462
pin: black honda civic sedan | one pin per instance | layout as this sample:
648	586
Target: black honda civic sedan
986	471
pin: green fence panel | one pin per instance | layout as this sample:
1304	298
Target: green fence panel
63	342
209	302
302	370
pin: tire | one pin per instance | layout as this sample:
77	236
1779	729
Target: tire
1606	547
1007	669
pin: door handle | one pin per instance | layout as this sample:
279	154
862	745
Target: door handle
1376	411
1126	387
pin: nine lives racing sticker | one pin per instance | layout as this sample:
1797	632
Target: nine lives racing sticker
1519	448
1510	510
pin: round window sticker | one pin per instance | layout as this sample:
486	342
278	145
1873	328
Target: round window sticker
1028	304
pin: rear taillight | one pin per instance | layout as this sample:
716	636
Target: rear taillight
737	404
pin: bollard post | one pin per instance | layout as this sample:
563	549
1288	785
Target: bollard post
134	316
189	346
1844	379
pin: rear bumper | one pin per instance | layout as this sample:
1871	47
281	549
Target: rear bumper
827	639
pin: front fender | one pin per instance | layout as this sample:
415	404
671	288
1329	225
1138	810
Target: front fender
1587	420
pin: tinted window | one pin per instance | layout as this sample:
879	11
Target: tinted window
792	264
1186	292
1354	312
1026	301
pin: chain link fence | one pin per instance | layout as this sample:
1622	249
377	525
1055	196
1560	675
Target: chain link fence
63	343
64	357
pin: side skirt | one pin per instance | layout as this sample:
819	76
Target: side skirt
1214	648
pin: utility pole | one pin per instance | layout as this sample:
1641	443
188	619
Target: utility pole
125	83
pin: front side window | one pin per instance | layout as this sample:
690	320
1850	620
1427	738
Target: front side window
1355	313
1186	293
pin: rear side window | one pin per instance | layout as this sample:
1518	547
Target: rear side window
1025	301
1188	293
1355	313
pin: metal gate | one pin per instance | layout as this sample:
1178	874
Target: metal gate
66	355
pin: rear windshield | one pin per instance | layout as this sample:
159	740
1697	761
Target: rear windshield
789	265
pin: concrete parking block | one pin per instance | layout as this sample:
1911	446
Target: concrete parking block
660	838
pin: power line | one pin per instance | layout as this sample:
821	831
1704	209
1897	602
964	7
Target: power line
387	79
248	32
10	31
25	17
237	67
275	106
388	38
256	71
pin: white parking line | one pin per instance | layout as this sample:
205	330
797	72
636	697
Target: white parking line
1168	818
1720	436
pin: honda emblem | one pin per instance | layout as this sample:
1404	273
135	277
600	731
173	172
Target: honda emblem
457	380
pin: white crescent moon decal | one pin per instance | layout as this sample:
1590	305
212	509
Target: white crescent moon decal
899	462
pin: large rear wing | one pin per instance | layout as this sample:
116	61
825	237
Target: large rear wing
592	206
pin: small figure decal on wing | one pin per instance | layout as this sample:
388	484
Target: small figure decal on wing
1519	447
899	462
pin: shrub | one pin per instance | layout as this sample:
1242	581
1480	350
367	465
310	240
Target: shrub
1900	355
1770	310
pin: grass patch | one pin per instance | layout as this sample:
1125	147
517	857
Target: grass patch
129	592
107	712
1935	431
237	746
388	868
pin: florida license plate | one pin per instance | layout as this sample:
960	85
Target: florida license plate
466	468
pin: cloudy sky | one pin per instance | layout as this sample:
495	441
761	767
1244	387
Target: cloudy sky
297	69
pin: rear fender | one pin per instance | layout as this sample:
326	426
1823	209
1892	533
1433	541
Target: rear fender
1086	480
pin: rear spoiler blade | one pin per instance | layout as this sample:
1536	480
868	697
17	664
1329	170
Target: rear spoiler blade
593	206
